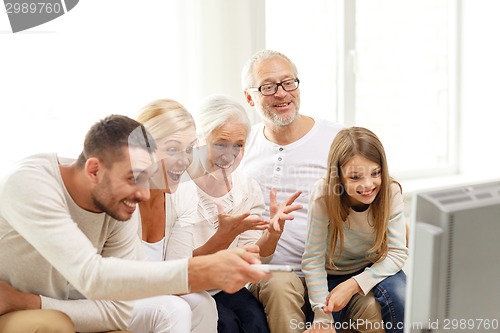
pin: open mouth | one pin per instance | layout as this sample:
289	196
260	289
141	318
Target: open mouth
175	175
224	166
282	105
366	193
131	205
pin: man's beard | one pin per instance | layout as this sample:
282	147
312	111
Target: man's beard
102	207
281	121
103	192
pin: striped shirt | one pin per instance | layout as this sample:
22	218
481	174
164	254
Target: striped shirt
359	237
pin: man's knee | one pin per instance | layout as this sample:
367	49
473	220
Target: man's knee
364	307
283	285
366	312
56	322
40	321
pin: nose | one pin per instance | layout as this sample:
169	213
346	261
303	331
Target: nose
232	152
228	157
280	92
367	182
142	193
184	159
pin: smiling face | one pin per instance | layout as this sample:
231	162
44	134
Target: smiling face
121	186
226	146
175	154
281	108
362	180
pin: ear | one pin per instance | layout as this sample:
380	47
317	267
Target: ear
249	99
93	169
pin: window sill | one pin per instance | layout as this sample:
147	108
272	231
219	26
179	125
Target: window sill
412	186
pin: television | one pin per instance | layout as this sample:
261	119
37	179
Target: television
453	280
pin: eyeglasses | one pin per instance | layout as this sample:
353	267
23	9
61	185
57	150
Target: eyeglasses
272	88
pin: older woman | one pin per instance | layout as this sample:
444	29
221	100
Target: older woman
230	207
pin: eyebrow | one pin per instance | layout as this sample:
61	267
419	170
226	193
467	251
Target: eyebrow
171	140
179	142
274	81
355	172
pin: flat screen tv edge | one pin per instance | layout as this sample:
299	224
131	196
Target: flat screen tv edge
454	277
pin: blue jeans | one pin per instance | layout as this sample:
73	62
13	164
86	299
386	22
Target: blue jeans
390	293
240	312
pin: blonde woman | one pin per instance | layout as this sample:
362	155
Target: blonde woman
174	130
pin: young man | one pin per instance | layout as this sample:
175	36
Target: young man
288	151
64	241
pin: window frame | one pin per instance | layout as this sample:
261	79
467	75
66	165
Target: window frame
346	83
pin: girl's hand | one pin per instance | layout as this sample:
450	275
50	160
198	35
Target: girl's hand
341	295
280	212
234	225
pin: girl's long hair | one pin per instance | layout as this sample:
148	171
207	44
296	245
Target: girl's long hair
348	143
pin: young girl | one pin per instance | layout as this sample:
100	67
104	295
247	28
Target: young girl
356	235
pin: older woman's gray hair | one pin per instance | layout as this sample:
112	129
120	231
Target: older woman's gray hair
216	110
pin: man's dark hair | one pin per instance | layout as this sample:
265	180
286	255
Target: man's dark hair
106	139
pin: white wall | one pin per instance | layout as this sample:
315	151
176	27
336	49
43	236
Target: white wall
102	57
105	57
218	36
114	56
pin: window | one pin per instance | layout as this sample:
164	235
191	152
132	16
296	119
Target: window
387	65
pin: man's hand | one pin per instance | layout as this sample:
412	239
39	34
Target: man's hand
280	212
229	270
12	299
